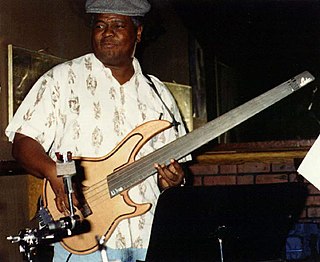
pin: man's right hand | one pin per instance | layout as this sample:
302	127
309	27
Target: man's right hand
33	158
61	199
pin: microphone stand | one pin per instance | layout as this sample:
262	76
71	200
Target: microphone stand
53	231
29	239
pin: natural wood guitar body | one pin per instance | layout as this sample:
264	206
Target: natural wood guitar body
107	211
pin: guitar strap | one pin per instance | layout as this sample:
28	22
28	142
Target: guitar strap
174	122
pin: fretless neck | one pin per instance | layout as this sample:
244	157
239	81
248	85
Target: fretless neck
141	169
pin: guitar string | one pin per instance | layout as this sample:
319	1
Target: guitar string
115	176
256	102
127	173
93	193
118	178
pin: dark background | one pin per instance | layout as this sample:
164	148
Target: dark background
265	43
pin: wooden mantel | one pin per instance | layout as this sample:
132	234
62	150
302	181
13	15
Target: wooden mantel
254	151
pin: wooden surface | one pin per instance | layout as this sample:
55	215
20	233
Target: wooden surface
233	157
254	151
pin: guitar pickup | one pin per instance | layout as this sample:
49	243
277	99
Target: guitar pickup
85	210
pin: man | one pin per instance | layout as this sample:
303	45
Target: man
87	106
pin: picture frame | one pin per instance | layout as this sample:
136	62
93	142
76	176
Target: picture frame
183	96
198	83
24	68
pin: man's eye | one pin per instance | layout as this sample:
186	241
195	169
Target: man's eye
99	26
119	25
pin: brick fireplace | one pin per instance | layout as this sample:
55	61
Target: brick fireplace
257	163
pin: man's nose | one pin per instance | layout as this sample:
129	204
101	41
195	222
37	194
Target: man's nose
108	31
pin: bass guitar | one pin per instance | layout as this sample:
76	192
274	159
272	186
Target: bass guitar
108	178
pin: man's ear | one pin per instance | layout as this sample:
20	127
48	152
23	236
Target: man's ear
139	33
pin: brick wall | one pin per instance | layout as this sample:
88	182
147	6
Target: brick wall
257	163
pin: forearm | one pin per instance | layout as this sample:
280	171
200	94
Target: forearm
32	157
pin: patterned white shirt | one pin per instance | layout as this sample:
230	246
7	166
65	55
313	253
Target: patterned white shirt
79	106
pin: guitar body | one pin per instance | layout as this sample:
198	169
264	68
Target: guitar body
107	211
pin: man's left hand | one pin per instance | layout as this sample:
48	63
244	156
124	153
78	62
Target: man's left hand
171	175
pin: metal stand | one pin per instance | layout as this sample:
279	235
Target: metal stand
221	249
28	240
52	231
102	248
220	234
66	169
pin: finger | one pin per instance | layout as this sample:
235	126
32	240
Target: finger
75	201
175	167
62	201
58	205
61	205
170	172
163	179
66	205
170	177
163	182
164	172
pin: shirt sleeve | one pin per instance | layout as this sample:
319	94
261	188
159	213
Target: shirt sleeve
36	116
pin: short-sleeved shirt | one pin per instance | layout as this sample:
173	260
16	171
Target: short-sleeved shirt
79	106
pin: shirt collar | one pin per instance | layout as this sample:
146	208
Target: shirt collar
135	63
